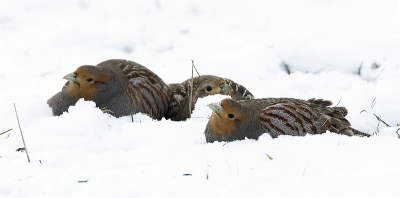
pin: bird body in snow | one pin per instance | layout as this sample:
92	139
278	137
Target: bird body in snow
203	86
119	87
237	120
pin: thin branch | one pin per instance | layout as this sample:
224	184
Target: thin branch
338	102
379	119
319	70
5	131
269	157
378	75
373	103
195	69
191	91
377	128
360	68
26	150
285	67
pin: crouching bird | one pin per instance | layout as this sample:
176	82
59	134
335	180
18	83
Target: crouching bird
119	87
202	86
237	120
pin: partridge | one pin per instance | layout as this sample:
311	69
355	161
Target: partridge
119	87
202	86
237	120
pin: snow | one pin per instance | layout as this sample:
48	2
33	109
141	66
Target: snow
86	153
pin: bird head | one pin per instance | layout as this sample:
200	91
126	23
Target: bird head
86	82
228	117
214	86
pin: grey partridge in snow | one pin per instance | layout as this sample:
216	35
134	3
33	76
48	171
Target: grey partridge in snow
119	87
202	86
237	120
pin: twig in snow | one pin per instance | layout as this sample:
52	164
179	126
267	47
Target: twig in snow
285	67
377	129
304	170
5	132
338	102
319	70
359	68
379	119
373	103
340	138
195	69
375	65
269	157
378	75
23	141
191	90
208	166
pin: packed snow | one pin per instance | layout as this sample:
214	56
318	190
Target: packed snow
344	51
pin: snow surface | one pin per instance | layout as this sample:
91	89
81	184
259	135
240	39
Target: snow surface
86	153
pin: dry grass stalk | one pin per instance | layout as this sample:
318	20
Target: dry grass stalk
23	140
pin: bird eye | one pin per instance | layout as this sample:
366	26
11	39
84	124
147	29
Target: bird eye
208	88
231	116
89	79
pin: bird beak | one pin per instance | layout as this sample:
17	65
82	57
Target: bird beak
71	77
215	107
225	89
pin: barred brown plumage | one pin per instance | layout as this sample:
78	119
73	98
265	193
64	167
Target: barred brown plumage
237	120
121	87
203	86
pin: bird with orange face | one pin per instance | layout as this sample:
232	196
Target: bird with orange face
237	120
119	87
203	86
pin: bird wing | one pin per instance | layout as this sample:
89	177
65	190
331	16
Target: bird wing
291	119
147	91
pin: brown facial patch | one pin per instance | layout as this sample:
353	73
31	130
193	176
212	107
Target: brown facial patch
222	123
215	87
87	84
